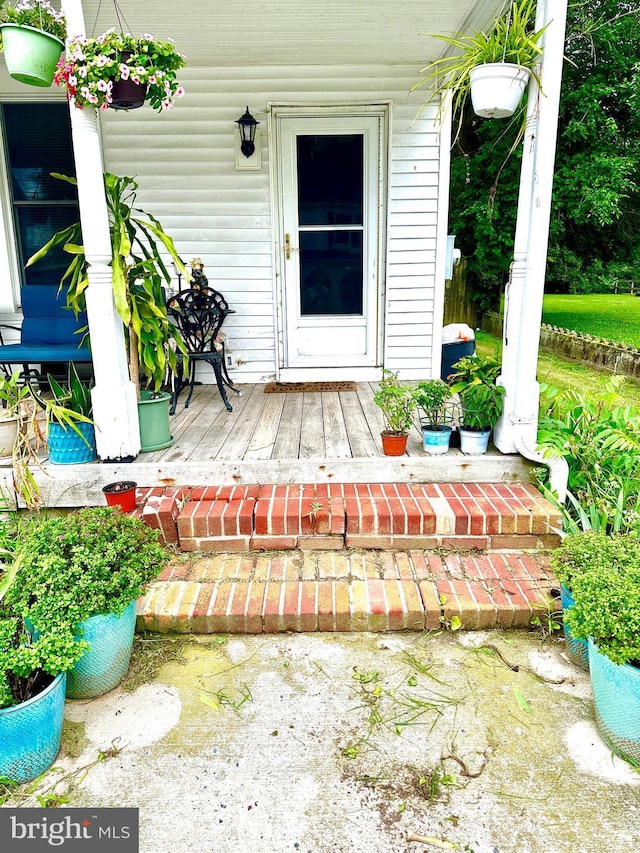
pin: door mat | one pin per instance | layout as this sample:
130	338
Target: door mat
301	387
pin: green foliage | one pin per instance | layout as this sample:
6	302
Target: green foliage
600	440
612	317
475	370
605	584
70	404
139	274
596	204
38	14
432	397
95	560
481	405
397	403
511	39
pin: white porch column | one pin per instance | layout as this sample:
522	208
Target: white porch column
115	410
517	429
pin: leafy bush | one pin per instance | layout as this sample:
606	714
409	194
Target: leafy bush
95	560
605	584
431	398
600	440
397	403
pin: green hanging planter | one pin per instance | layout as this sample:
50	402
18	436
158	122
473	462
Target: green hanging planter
31	55
153	415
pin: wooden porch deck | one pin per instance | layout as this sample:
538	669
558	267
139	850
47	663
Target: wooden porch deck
275	438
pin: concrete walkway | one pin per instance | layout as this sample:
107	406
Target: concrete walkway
480	741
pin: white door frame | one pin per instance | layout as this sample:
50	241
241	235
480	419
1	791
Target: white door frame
332	367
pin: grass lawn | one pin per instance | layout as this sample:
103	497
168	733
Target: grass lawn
616	318
568	374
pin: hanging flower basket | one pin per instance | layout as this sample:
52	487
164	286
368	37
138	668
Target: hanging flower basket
33	35
121	72
497	88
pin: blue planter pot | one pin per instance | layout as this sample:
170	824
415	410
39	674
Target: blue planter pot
616	697
577	650
435	441
66	447
30	733
103	667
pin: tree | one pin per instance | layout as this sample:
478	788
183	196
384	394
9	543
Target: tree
596	204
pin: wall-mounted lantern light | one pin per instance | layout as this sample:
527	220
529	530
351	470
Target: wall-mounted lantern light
247	125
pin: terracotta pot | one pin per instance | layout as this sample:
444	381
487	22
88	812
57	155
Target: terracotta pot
122	494
393	445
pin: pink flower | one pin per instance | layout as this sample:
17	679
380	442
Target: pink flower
102	85
93	99
141	70
72	80
179	91
124	71
167	105
102	60
85	93
135	78
152	79
104	106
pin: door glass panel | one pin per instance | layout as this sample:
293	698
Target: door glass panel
36	225
331	272
330	179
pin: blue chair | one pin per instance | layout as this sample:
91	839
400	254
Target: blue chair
50	333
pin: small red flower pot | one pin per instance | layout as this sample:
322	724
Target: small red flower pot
122	494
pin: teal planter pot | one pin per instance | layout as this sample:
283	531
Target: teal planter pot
31	55
153	415
104	665
66	447
30	733
616	697
436	441
577	650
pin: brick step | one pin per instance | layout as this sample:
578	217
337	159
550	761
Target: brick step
482	516
348	591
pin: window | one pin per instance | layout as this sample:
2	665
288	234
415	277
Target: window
38	140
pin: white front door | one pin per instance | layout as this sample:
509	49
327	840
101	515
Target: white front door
330	192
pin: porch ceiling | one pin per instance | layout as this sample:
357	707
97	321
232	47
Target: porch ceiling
293	32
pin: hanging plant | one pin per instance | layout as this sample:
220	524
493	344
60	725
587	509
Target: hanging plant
38	14
32	37
511	40
92	66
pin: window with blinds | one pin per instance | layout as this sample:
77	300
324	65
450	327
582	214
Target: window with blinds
38	141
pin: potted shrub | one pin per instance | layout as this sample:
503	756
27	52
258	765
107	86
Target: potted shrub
32	684
481	408
606	613
493	66
71	437
120	71
432	399
87	569
33	35
139	279
398	405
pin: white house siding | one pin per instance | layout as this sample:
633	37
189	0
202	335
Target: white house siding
185	164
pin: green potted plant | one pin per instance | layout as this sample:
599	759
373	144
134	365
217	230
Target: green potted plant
139	279
481	408
21	434
432	398
604	573
70	432
493	67
33	35
87	569
398	405
121	71
32	680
